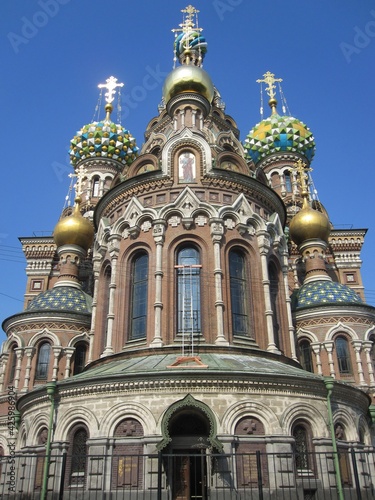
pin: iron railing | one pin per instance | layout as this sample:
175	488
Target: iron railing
190	476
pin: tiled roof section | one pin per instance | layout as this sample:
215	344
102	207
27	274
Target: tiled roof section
324	292
62	298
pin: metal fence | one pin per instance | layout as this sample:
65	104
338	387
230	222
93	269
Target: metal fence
190	476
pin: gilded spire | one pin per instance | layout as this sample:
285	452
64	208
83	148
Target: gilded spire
301	168
189	45
269	79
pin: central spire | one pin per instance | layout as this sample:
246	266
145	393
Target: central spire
189	46
269	79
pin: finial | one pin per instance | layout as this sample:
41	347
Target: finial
189	32
301	168
79	174
269	79
111	85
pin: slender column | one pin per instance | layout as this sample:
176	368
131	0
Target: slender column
357	345
69	351
56	354
114	242
159	235
96	265
264	246
217	231
29	351
367	346
4	362
316	350
288	305
19	354
329	348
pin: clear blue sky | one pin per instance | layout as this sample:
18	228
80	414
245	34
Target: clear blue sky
54	53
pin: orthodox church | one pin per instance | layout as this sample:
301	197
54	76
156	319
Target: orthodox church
196	326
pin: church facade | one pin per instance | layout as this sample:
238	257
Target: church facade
195	303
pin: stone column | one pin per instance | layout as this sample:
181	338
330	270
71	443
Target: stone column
329	348
217	231
357	345
114	248
367	346
69	351
158	233
56	354
96	266
19	354
29	352
4	362
316	346
284	270
264	247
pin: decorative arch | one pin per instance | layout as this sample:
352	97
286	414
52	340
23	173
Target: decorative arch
10	340
259	410
189	402
340	328
132	410
73	416
44	335
307	412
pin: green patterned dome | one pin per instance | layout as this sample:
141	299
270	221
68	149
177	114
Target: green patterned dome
322	292
62	298
279	133
103	139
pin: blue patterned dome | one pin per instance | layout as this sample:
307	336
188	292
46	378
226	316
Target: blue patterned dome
321	292
62	298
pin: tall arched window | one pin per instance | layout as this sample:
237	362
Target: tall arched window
95	187
43	361
372	352
139	292
79	358
79	458
188	291
343	355
288	181
306	355
105	306
238	293
274	296
12	364
302	442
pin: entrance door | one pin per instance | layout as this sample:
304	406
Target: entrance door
189	475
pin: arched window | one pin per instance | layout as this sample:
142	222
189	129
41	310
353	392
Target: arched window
306	355
238	293
302	443
274	296
95	187
12	364
188	291
79	358
79	458
138	294
105	306
43	361
372	352
288	181
343	356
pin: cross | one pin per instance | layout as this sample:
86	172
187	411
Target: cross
188	24
80	174
301	169
269	79
110	86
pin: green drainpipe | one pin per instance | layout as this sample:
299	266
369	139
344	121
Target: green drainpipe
371	409
328	381
51	390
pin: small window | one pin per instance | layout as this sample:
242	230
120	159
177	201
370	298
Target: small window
95	187
13	364
302	442
79	358
36	285
43	361
350	278
306	355
288	182
79	458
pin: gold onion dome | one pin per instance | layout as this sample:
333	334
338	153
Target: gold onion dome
74	229
188	78
309	224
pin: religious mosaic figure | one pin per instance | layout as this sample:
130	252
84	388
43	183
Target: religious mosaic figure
186	167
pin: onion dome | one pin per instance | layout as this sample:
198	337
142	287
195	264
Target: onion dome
74	229
188	78
103	139
277	134
322	292
62	298
309	224
191	40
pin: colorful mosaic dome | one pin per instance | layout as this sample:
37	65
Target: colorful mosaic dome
191	40
62	298
321	292
279	133
103	139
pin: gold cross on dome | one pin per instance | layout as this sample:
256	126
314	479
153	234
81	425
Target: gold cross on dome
302	169
269	79
110	85
80	174
188	24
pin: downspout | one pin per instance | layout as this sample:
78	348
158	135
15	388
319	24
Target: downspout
51	390
328	381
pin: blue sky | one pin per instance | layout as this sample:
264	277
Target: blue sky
54	53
